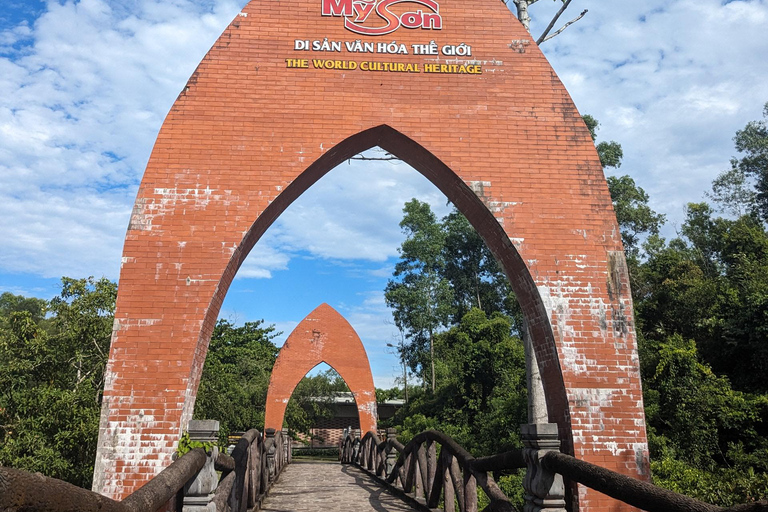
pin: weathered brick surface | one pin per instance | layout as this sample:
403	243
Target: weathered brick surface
248	135
324	336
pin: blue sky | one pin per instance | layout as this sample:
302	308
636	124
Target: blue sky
85	85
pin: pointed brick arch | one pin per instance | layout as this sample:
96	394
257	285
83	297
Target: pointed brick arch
253	129
324	336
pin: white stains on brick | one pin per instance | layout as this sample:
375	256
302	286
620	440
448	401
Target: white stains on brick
128	323
174	201
131	440
499	206
141	219
199	197
580	232
478	187
200	280
228	248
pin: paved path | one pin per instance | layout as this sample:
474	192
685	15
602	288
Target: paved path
329	486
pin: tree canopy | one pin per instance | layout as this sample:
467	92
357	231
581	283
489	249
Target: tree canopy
701	311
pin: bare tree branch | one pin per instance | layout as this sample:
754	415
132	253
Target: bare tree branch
574	20
553	21
387	158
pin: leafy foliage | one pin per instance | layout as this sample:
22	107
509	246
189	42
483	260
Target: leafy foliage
445	270
312	400
51	378
233	388
701	310
635	217
701	305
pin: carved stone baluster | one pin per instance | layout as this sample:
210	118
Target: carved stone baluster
449	492
271	450
422	473
458	484
410	472
254	470
198	494
436	470
431	464
286	448
416	471
392	452
470	491
264	469
544	490
356	449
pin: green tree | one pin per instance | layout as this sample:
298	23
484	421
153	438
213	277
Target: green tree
752	142
706	439
10	303
420	298
313	401
481	397
233	387
52	376
636	219
743	189
475	277
610	153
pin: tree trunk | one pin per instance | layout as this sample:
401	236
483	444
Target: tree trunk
432	359
522	13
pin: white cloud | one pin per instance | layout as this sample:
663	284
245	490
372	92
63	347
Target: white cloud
86	86
350	214
79	109
82	99
670	81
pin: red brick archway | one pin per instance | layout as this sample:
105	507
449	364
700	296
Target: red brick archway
324	336
252	131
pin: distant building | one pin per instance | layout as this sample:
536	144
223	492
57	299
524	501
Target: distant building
328	432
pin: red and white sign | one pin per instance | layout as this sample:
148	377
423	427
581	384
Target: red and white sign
356	14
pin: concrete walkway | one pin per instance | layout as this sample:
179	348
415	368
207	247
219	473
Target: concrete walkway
329	486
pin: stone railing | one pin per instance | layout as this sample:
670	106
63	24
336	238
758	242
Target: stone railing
451	476
189	484
425	473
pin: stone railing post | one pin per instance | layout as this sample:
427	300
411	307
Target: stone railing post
544	490
356	449
392	452
198	493
286	447
271	450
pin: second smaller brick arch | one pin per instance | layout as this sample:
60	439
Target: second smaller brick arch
324	336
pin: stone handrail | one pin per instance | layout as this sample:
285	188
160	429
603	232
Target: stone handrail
32	492
418	470
247	475
452	474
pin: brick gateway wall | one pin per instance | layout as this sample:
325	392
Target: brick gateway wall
324	336
254	128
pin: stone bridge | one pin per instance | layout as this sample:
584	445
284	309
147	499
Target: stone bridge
429	473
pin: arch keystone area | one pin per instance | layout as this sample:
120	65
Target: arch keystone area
324	336
268	112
